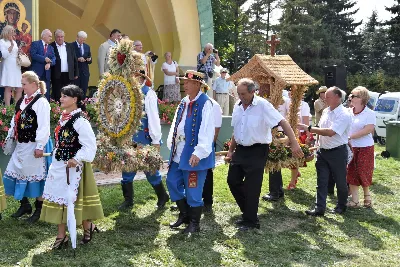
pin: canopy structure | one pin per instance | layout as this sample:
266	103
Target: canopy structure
278	72
273	74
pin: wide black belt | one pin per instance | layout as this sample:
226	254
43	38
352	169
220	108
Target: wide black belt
332	149
251	146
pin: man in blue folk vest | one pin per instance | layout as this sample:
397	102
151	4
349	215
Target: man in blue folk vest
149	134
190	141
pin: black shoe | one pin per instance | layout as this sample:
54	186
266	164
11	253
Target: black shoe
162	195
24	208
183	214
194	225
207	208
338	210
60	243
127	192
249	226
173	208
315	212
36	215
88	234
240	222
269	197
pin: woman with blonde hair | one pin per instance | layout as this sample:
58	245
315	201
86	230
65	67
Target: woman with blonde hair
10	77
361	167
170	68
30	127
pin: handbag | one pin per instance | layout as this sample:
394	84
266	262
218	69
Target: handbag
9	144
23	60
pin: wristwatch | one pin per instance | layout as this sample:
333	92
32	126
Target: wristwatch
309	127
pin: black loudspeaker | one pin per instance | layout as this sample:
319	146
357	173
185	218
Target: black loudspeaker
336	76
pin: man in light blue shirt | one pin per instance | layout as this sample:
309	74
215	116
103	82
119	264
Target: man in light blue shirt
221	89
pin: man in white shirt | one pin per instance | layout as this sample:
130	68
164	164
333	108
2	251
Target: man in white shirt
221	91
191	151
149	59
252	119
209	183
332	153
65	71
104	51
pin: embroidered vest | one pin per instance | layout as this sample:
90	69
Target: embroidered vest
27	121
67	140
191	129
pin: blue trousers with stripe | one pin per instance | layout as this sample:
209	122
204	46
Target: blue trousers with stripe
177	183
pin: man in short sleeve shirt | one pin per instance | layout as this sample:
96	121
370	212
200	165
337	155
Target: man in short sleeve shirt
332	153
252	120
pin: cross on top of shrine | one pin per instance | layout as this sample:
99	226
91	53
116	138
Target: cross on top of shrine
273	43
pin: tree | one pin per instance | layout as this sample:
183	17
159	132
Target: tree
374	40
258	26
228	26
305	38
338	19
393	61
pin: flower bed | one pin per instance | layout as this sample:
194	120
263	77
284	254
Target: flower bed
166	111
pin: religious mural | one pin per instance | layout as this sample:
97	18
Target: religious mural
19	14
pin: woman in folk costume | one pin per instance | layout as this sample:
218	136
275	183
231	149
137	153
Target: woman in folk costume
26	172
71	174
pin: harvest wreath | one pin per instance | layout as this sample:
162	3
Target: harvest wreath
120	110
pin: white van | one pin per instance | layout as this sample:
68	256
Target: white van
373	99
386	109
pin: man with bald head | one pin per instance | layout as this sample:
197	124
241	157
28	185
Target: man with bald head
43	57
332	155
205	61
65	71
149	58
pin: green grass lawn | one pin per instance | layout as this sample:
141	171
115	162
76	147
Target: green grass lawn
363	237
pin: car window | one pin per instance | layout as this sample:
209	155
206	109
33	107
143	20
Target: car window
388	106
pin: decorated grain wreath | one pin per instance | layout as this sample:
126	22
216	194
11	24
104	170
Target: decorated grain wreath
120	109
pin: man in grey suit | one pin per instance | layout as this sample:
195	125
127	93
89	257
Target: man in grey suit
104	50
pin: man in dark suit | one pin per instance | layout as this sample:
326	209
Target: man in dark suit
84	56
43	57
65	71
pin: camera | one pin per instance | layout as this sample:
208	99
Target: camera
215	51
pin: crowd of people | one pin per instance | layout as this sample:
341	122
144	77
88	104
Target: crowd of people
340	132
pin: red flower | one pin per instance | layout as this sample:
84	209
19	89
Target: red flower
190	75
120	58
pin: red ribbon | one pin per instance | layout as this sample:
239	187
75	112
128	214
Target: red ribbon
190	108
16	120
28	100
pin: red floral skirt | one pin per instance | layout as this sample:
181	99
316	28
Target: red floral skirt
361	167
303	137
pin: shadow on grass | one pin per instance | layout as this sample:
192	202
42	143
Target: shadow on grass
13	233
131	237
353	228
381	189
199	247
288	238
301	197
